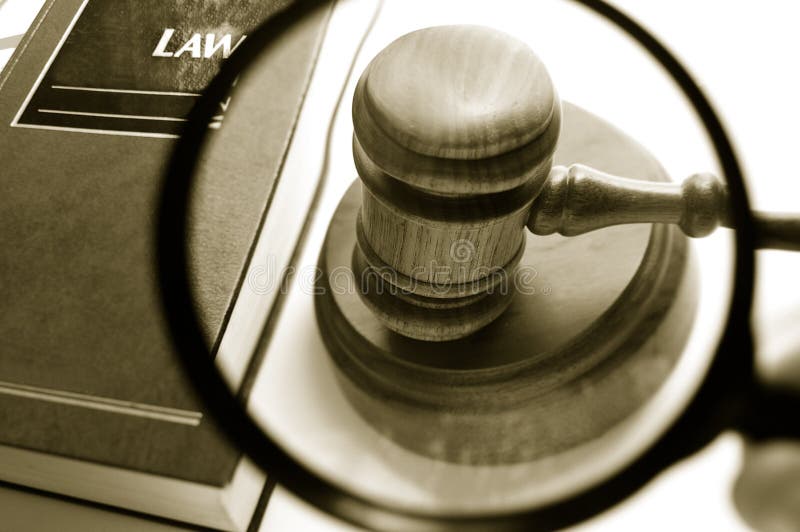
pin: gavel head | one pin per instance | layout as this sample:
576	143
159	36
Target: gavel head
454	133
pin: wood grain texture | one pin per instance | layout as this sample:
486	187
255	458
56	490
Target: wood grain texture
448	252
444	176
457	110
435	290
459	92
425	318
603	326
454	129
439	239
579	199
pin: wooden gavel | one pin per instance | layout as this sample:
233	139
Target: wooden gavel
454	133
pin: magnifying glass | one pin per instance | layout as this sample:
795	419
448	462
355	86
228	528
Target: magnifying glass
556	408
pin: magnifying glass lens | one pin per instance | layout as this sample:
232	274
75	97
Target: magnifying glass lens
326	235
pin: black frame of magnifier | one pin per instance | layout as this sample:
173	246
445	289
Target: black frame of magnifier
729	397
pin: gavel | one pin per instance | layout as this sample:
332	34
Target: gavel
454	133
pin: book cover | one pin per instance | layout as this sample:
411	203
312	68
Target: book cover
90	105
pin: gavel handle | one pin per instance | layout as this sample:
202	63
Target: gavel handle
580	199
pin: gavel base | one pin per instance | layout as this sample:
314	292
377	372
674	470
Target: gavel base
596	325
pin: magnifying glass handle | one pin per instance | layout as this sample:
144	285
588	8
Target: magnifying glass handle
578	199
777	230
770	411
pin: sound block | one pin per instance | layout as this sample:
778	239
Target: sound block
595	327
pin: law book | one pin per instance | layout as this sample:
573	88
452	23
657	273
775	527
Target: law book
93	402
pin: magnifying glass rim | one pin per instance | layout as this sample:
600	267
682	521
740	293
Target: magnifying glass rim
196	356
